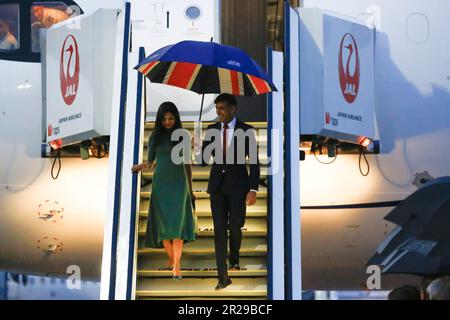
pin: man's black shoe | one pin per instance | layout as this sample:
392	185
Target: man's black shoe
235	267
223	284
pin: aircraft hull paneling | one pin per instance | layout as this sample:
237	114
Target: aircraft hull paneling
36	212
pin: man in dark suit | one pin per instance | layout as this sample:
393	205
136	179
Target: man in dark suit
230	142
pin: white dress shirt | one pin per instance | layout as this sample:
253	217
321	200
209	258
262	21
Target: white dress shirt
230	131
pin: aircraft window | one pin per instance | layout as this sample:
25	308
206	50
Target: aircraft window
44	15
9	27
193	12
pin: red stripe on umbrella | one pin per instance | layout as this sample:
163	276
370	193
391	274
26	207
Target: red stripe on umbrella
181	74
234	82
259	85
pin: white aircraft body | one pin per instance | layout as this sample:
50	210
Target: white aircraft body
47	225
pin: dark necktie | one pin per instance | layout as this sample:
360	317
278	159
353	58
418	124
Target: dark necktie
224	140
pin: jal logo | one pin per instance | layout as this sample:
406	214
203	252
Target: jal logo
349	68
69	72
49	130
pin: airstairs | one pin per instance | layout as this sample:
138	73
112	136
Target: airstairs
198	261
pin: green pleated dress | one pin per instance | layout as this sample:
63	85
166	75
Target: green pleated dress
170	211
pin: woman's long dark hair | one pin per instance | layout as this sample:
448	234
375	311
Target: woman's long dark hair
166	107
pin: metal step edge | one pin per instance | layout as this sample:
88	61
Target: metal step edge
204	252
194	298
201	274
207	214
193	293
203	195
211	234
199	176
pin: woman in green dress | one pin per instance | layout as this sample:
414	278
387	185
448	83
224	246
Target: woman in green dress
170	220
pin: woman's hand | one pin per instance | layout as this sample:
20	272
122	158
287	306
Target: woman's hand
138	167
143	166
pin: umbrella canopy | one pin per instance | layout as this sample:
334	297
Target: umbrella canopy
420	244
206	67
418	257
431	202
407	262
394	239
401	253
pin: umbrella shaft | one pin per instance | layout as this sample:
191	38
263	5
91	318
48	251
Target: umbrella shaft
201	109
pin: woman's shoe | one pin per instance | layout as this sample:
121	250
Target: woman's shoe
176	275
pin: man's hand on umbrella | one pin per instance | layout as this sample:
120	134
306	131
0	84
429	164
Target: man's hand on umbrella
197	143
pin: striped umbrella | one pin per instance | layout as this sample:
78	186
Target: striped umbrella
206	67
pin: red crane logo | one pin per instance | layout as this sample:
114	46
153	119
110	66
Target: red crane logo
349	80
69	80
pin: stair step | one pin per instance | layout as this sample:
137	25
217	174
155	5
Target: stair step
202	173
203	208
199	187
252	227
200	273
204	287
208	243
204	194
202	294
204	252
207	213
157	261
246	233
205	223
195	298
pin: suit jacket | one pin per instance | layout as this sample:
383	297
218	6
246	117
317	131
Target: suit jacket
236	172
